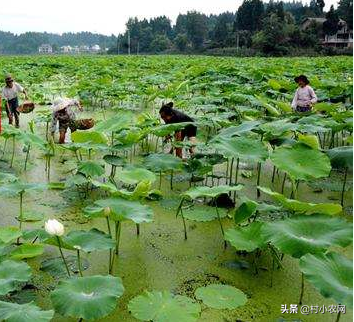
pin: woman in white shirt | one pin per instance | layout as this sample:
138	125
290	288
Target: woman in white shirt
9	93
304	97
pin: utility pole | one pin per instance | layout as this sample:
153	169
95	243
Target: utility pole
128	42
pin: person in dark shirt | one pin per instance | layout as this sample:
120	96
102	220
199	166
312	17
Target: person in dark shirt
170	116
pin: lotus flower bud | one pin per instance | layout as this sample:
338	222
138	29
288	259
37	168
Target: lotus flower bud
54	227
107	211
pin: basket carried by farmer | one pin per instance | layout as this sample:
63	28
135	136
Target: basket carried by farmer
85	124
26	107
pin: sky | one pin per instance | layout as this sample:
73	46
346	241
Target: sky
99	16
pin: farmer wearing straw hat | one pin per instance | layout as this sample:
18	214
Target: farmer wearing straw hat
63	113
9	93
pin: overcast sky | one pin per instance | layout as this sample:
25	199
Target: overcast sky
101	16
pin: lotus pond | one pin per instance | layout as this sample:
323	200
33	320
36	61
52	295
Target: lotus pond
256	224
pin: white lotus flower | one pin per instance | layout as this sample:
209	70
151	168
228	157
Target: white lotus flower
54	227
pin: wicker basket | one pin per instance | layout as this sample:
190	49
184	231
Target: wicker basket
26	107
85	124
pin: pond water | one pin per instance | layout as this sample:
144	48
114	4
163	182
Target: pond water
159	258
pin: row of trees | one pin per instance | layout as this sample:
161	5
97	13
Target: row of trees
271	28
27	43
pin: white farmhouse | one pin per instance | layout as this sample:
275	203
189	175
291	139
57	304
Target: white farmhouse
45	49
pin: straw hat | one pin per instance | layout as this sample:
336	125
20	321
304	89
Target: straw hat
61	103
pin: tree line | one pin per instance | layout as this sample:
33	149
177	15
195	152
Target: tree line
271	28
268	28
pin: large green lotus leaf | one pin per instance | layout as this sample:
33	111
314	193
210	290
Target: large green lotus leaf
278	128
241	147
164	307
14	188
301	162
115	160
38	234
303	207
247	238
300	235
29	216
331	274
238	130
163	130
134	175
122	209
341	157
12	272
211	192
89	137
13	312
245	211
9	234
27	251
90	168
29	138
122	120
89	241
89	298
162	162
218	296
203	213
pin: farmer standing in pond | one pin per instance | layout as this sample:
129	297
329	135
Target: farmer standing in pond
305	96
63	113
170	116
9	93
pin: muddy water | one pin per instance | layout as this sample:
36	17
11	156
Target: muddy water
160	258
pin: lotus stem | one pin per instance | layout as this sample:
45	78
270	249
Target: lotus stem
184	225
27	155
343	187
118	228
110	251
47	130
79	262
302	288
259	178
219	219
273	174
13	151
236	175
338	316
231	168
283	184
62	256
227	170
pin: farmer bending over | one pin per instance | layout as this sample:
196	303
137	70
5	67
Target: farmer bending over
9	93
304	97
170	116
63	113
